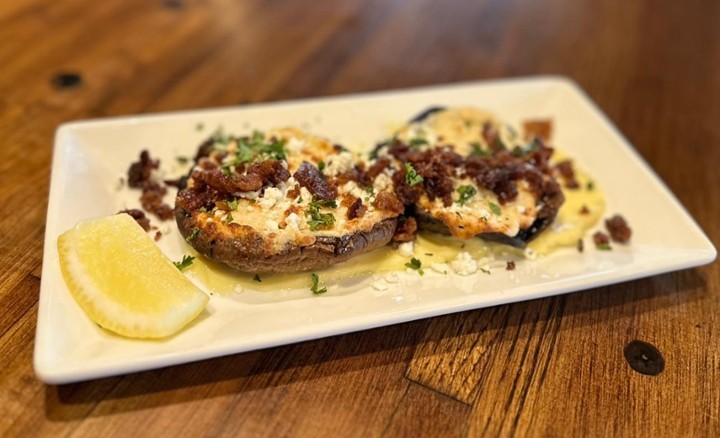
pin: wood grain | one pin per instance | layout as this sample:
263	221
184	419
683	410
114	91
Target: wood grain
551	367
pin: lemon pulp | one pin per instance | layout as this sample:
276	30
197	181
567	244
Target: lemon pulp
124	282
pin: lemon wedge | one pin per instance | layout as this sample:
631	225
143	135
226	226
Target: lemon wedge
124	282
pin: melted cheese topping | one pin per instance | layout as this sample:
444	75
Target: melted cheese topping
460	127
284	221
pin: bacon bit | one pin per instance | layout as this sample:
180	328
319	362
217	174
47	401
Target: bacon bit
619	230
139	217
510	265
152	200
356	174
356	210
406	230
140	171
584	210
295	208
492	137
177	183
601	240
293	192
377	168
388	202
568	173
310	177
539	128
204	150
158	235
272	172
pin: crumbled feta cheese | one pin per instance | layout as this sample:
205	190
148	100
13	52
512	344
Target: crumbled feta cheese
305	195
339	163
406	249
271	225
293	222
383	181
442	268
530	254
392	277
464	264
271	196
295	145
379	285
248	195
352	188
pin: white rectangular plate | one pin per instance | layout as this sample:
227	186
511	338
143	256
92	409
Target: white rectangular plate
89	158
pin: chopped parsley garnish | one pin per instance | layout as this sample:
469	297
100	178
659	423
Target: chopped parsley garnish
590	186
182	160
603	246
228	218
416	265
416	142
220	137
519	151
411	176
232	204
193	234
200	126
226	170
478	151
186	261
321	166
497	211
244	154
315	283
320	220
257	278
485	271
466	193
274	150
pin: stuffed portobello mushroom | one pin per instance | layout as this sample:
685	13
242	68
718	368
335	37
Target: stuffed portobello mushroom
463	172
283	201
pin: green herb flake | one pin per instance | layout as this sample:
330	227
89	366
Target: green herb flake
411	176
228	218
243	155
590	186
478	151
497	211
321	166
466	193
193	234
257	278
219	136
186	261
315	283
416	265
603	246
485	271
200	126
233	204
319	220
182	160
417	142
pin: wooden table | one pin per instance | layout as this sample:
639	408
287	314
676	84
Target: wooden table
550	367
